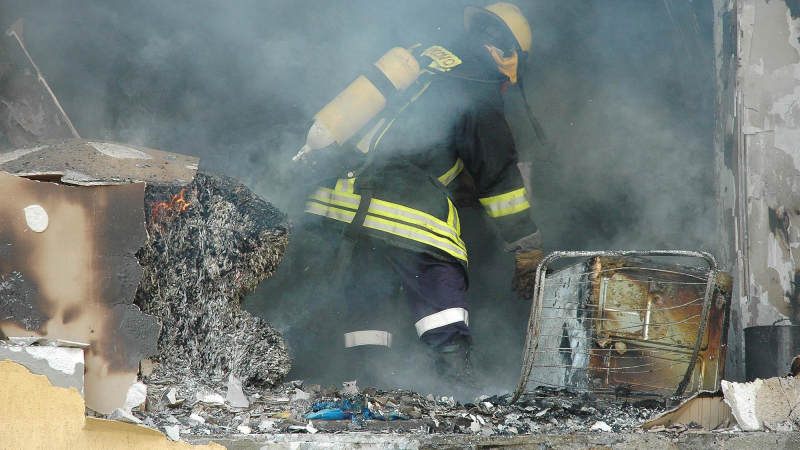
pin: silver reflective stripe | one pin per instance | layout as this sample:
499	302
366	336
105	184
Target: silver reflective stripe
442	318
505	203
368	337
327	211
419	236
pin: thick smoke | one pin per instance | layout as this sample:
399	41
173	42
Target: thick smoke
622	87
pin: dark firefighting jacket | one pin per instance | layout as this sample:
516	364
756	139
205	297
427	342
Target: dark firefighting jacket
451	121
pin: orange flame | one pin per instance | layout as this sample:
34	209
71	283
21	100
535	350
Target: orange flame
178	204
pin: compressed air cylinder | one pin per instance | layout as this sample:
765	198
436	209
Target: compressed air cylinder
360	102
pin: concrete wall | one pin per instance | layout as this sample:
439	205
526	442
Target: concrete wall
758	147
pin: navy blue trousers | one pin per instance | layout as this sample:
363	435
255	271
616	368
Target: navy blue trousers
433	291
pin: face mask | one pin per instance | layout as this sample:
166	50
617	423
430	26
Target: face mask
507	66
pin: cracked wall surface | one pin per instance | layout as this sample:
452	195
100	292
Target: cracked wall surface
765	161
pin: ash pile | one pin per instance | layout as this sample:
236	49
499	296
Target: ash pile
209	243
295	407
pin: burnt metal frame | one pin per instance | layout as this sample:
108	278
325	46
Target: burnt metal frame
531	338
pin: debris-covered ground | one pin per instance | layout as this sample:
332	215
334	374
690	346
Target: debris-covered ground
222	407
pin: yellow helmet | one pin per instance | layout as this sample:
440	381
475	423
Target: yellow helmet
508	15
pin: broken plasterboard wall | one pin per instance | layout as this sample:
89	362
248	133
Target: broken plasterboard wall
68	271
63	366
86	163
38	415
769	404
767	173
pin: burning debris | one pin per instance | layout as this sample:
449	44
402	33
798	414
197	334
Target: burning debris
209	243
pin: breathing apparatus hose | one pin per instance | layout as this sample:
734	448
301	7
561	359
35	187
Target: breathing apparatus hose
537	127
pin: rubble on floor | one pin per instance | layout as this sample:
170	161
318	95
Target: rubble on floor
209	243
200	408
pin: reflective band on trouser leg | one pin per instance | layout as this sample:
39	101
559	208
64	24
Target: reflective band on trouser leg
506	204
368	337
442	318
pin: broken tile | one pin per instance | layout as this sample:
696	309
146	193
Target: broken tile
173	432
235	396
123	416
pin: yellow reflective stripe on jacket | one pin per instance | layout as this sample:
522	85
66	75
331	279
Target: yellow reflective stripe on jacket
506	204
345	185
406	214
452	218
336	198
451	174
415	234
393	211
450	243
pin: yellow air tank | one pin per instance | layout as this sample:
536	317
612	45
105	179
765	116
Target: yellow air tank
360	102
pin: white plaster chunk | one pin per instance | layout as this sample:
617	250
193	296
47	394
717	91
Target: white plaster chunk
119	151
60	359
196	419
36	217
601	426
244	429
214	399
300	394
267	424
123	416
137	394
764	404
235	395
28	340
173	432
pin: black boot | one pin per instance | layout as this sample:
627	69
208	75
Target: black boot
453	364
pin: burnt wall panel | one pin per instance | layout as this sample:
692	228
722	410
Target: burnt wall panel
68	271
767	155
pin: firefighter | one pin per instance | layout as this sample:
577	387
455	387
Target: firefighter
394	208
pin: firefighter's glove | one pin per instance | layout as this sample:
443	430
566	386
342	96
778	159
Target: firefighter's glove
524	280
